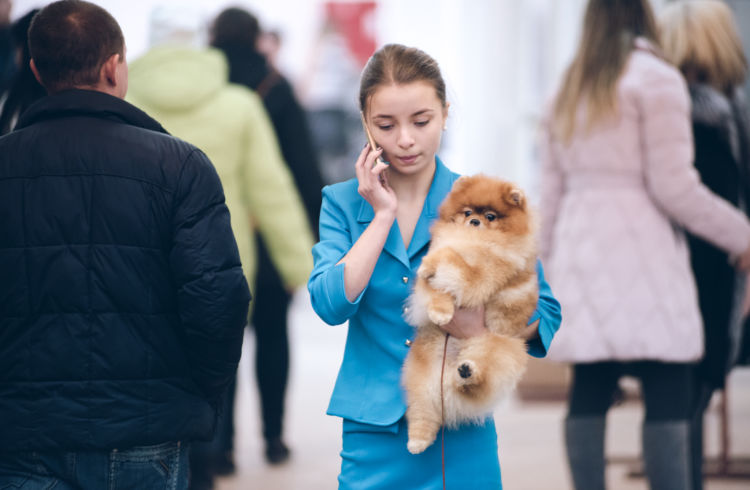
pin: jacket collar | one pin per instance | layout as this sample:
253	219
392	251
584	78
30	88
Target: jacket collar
91	103
442	182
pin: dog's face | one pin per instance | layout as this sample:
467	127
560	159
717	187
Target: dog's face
486	203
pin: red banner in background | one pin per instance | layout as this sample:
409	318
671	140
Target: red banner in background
355	22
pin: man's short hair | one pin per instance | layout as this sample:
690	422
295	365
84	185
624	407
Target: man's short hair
70	40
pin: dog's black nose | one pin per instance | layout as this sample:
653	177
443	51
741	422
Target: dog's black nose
474	222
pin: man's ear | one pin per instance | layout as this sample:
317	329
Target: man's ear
108	72
35	72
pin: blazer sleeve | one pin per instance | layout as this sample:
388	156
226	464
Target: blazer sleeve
212	292
549	315
552	188
274	201
671	178
326	284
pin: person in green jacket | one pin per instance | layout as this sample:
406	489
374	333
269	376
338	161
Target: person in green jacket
186	89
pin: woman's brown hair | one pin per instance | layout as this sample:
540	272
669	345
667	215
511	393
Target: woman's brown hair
610	28
398	64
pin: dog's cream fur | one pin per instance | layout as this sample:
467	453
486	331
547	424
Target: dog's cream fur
483	252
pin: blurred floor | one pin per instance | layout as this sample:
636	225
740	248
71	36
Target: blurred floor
530	437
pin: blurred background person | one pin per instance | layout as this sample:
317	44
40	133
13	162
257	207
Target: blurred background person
8	62
328	87
23	88
701	39
618	187
269	45
186	87
236	33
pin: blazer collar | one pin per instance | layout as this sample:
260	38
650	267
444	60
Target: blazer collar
394	245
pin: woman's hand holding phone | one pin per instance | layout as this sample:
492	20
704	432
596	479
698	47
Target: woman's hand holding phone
372	176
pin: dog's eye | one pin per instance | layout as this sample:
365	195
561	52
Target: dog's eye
467	213
490	217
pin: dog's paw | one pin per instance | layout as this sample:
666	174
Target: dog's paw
427	270
467	373
440	315
416	446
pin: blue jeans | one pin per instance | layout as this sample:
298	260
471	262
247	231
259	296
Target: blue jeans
164	466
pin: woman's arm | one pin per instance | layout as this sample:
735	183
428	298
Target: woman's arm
469	322
360	261
342	268
671	178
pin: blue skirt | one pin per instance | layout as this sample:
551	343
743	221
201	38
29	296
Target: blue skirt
375	457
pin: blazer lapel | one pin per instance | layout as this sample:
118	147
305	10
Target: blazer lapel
394	245
441	186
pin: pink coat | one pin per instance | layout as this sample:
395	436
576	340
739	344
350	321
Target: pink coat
614	206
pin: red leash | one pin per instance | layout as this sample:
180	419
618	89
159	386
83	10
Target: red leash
442	409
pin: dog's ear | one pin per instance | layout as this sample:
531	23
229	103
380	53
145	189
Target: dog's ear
460	182
516	198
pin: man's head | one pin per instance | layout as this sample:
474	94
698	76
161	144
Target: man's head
76	44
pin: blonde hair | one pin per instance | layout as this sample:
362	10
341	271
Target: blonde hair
609	31
700	38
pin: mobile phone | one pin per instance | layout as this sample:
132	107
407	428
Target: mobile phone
370	140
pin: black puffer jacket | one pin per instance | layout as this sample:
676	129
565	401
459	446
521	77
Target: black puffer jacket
122	299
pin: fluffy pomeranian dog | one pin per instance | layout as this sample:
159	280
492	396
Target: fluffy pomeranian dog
483	252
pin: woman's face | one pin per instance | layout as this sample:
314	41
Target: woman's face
407	122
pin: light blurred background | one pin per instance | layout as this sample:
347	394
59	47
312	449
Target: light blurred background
501	60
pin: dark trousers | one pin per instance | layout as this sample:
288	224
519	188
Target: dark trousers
269	319
667	388
668	394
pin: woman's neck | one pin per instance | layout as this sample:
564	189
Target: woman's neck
411	188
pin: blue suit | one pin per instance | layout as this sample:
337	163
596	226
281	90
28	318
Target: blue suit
368	391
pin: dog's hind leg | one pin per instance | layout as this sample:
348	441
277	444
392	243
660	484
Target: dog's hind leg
421	381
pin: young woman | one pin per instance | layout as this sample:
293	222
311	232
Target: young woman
618	188
374	231
700	38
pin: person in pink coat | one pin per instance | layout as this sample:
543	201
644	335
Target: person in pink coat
619	191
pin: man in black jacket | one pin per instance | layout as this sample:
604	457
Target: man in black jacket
122	299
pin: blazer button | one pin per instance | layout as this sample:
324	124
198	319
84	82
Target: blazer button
405	279
408	343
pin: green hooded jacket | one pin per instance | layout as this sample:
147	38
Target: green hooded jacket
188	92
